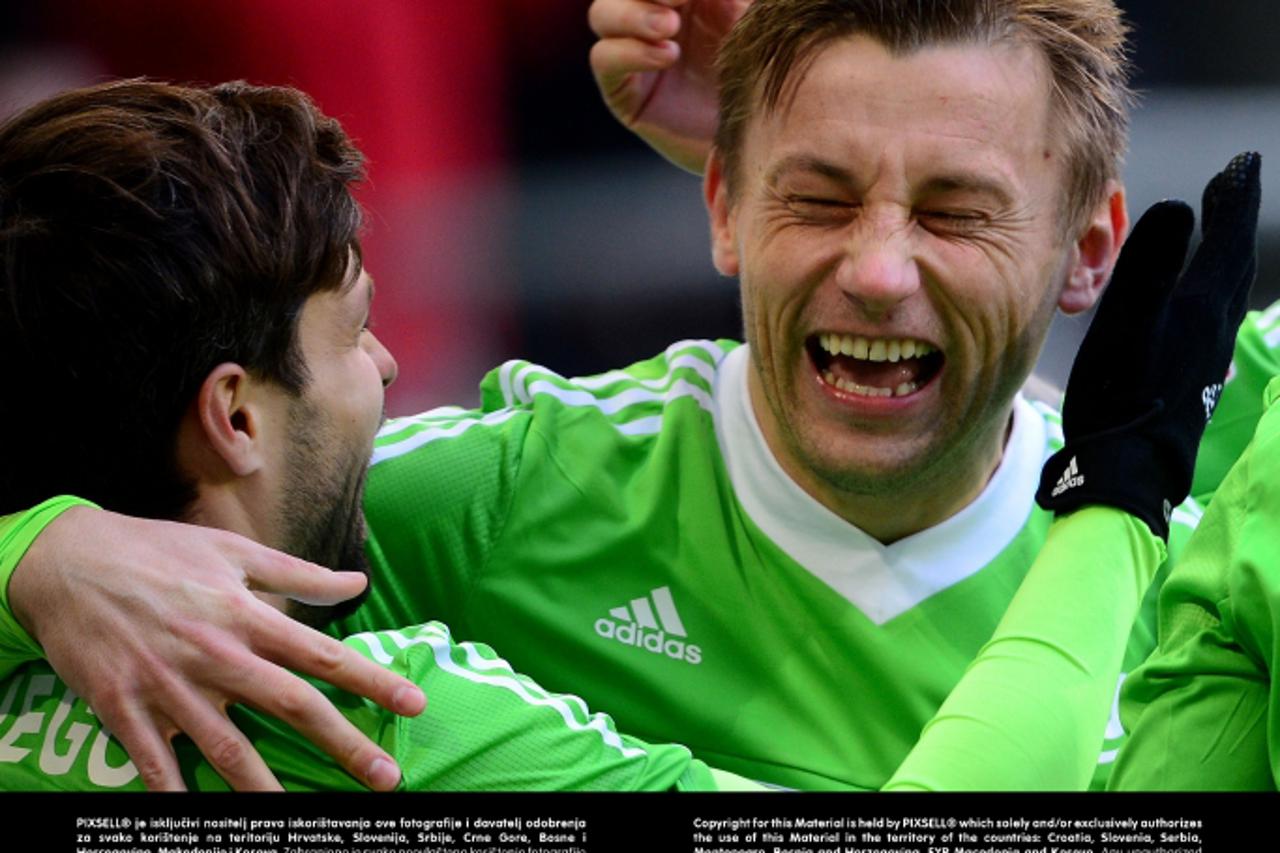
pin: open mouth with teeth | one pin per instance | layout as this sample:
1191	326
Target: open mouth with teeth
874	367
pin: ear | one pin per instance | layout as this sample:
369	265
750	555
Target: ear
715	191
230	420
1094	254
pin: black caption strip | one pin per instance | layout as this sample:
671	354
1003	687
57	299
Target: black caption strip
605	823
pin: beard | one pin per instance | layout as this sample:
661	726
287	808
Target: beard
321	510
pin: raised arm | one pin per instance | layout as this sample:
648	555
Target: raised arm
156	625
654	64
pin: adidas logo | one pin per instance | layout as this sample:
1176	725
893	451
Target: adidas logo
650	623
1069	480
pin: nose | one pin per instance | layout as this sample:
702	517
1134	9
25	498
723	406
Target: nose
382	357
879	270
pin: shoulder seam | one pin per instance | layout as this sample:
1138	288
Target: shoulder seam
422	429
631	404
482	569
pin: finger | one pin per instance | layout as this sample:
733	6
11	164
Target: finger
614	59
222	744
311	713
1239	181
1240	302
1152	257
150	751
1140	288
633	19
1226	256
267	570
297	647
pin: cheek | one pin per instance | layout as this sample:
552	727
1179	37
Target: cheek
361	394
764	311
994	298
777	282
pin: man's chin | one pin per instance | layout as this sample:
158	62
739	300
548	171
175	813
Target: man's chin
870	464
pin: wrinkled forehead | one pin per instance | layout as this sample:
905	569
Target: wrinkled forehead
1001	60
960	95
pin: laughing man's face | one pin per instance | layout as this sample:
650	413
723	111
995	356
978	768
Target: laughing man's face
896	229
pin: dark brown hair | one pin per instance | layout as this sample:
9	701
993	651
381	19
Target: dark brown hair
149	232
1082	42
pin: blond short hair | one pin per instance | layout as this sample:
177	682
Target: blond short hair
1083	43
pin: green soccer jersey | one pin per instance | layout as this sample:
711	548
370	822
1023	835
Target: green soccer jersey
1255	362
485	728
629	536
1205	709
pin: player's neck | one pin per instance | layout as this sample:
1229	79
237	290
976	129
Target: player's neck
223	508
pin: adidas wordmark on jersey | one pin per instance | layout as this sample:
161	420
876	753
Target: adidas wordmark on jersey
663	635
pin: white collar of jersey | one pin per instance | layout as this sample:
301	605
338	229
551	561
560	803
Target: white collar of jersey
882	581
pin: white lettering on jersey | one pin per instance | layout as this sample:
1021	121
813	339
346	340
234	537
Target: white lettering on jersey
59	750
656	628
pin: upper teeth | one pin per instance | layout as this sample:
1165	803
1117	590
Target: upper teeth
874	350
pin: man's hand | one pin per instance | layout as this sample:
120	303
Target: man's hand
1152	365
155	624
654	64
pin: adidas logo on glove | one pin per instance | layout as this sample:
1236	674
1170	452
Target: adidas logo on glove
656	627
1069	480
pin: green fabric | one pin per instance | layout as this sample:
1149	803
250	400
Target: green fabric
1064	631
526	523
1255	362
485	728
17	532
547	521
1205	709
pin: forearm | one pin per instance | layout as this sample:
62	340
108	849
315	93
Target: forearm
17	533
1030	712
1198	707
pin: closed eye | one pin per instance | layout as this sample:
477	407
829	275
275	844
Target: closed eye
951	221
820	208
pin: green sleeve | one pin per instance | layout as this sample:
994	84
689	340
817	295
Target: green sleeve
1030	711
1253	588
717	780
17	532
1204	708
486	728
489	728
1254	363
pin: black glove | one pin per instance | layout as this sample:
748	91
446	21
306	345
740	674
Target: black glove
1151	367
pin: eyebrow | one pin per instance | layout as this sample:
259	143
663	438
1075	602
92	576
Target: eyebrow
968	182
807	163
